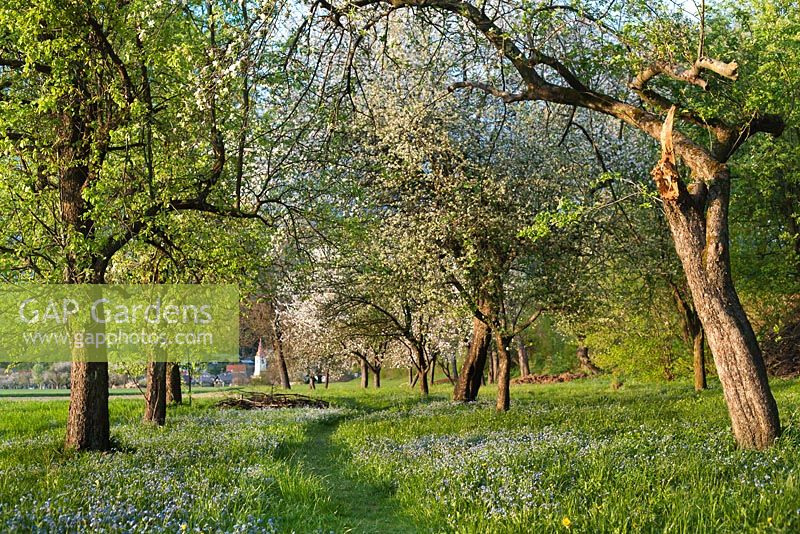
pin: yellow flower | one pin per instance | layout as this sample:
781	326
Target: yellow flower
769	520
184	526
566	522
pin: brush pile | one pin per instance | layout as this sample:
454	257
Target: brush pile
253	400
549	379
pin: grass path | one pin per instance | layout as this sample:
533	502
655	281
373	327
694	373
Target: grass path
360	507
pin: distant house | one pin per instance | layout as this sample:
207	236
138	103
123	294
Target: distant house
236	368
206	380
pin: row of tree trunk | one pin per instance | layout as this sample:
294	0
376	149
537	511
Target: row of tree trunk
163	387
479	354
366	370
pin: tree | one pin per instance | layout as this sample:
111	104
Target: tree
116	117
562	71
156	393
455	183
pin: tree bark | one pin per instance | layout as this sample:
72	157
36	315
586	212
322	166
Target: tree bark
88	423
503	376
364	373
702	243
423	383
524	366
377	382
327	377
174	394
155	411
469	380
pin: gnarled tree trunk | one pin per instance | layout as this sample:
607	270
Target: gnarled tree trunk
702	243
469	380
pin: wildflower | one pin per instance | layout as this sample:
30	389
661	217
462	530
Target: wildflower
566	522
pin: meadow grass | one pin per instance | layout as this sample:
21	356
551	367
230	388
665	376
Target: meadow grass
567	457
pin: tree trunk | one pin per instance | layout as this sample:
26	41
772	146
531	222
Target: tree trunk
327	377
702	243
411	376
503	376
524	366
277	347
584	359
422	370
432	367
377	382
469	380
693	332
492	365
699	360
423	383
454	367
312	382
88	423
88	426
364	373
174	394
156	393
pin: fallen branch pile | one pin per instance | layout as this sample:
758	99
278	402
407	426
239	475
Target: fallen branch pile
549	379
262	401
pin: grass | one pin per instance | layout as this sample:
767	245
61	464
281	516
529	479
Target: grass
567	457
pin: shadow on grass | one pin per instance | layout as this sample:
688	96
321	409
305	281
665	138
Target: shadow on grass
358	505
